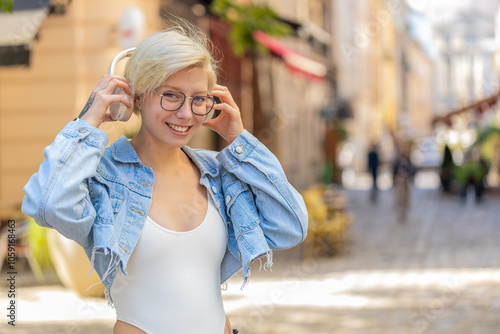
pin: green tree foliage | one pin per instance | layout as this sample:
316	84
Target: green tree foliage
245	20
487	133
6	5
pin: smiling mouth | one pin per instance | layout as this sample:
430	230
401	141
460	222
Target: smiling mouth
178	128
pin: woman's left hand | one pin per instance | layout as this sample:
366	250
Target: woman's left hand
228	124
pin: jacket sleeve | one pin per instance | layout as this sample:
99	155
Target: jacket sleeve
57	196
283	214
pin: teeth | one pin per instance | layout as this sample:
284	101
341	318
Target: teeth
178	128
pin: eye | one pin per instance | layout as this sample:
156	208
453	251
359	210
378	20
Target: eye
200	99
172	96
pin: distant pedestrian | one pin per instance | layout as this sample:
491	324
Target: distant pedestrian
373	163
446	172
475	170
403	174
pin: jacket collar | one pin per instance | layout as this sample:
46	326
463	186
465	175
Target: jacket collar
124	152
203	159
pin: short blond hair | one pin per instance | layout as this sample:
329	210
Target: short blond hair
167	52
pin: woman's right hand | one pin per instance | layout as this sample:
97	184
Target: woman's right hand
95	109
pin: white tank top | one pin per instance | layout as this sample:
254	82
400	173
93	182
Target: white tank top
173	281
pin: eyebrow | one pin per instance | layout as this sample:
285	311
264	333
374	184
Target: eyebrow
175	88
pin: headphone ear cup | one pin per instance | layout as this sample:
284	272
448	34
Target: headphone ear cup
209	116
118	110
214	113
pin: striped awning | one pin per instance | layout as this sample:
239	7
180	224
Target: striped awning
294	60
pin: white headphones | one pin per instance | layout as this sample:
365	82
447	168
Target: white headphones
118	110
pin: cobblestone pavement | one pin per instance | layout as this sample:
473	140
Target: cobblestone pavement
439	272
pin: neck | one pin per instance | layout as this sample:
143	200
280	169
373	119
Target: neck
160	157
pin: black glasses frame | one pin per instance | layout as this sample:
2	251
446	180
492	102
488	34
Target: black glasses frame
184	100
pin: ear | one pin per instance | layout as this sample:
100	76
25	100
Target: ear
138	101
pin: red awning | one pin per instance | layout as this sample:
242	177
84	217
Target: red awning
294	61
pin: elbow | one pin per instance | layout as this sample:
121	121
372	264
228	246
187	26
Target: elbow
302	224
72	221
32	206
301	218
298	219
295	232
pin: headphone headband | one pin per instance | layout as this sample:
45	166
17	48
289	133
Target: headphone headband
120	56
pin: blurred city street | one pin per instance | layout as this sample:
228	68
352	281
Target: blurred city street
436	273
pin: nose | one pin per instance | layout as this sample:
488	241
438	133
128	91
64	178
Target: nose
184	112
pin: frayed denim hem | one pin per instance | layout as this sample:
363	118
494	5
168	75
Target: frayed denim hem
112	266
268	265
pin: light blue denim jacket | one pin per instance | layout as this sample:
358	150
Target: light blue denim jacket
101	197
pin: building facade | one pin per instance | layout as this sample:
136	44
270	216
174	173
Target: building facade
367	57
386	74
72	52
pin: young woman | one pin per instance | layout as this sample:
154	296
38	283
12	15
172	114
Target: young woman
163	224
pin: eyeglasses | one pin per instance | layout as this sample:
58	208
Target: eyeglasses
171	100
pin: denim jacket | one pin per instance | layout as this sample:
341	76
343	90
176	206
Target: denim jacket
100	197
